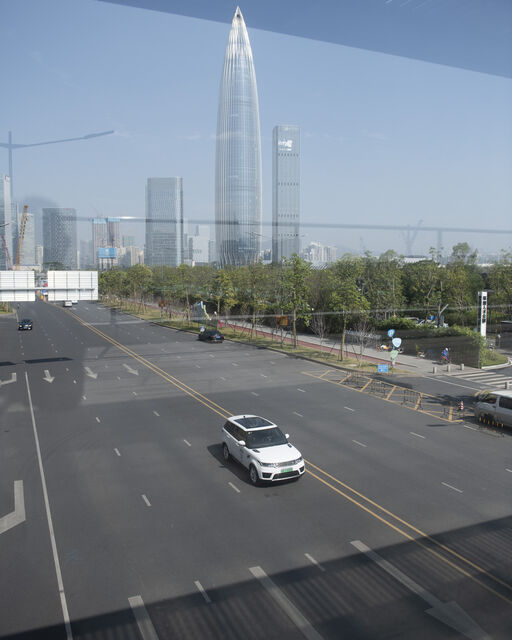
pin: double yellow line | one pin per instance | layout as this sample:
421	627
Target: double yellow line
438	549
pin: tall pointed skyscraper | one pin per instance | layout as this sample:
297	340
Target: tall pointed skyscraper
238	159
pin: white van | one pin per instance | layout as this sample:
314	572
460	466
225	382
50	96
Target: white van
67	303
494	407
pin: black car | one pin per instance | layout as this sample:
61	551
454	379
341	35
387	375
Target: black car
211	335
25	325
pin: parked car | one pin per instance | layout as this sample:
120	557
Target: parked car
210	335
494	407
67	303
25	325
261	447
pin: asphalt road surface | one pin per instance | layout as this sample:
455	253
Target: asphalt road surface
119	518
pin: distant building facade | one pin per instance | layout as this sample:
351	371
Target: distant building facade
319	254
60	237
285	192
199	245
5	221
164	222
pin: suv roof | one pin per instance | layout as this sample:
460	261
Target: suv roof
251	422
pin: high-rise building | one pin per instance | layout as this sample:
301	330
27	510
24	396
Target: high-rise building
164	222
285	191
199	244
114	232
39	255
128	241
99	237
238	155
59	237
28	247
5	221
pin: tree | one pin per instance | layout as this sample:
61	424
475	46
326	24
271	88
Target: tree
346	296
295	288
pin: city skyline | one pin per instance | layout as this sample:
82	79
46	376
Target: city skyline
238	154
384	139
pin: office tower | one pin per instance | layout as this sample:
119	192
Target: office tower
99	237
285	191
128	241
198	244
28	247
164	222
114	232
59	238
238	155
5	222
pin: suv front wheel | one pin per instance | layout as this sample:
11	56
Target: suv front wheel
253	475
225	452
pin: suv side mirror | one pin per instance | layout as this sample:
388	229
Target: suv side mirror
241	443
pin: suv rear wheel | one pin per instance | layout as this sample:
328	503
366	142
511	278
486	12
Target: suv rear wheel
225	452
253	475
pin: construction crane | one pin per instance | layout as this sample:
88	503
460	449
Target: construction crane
23	225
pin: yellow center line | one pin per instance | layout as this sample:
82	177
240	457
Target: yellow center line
221	411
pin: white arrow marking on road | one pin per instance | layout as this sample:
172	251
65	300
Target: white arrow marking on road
47	376
130	370
450	613
89	373
13	379
18	515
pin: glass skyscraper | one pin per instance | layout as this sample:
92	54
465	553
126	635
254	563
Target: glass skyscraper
285	191
238	158
164	222
59	237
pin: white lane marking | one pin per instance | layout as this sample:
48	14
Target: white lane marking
90	373
13	379
118	378
254	393
187	442
233	487
234	364
448	613
451	487
197	366
146	628
84	398
272	362
130	370
134	393
359	443
97	419
509	470
118	453
298	414
263	375
417	435
349	409
60	584
144	497
67	369
464	386
466	426
156	414
315	562
201	590
301	390
74	381
47	376
18	515
301	622
223	378
211	355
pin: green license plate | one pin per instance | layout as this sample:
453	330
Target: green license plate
286	470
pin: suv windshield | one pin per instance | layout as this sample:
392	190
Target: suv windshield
264	438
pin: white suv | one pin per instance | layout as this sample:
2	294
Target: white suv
261	447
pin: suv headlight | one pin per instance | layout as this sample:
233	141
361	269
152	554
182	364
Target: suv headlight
267	464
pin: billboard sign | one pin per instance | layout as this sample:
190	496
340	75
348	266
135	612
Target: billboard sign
107	253
72	285
482	313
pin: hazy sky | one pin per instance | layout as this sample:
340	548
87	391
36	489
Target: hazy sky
385	139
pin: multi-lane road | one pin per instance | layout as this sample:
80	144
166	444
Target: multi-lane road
119	518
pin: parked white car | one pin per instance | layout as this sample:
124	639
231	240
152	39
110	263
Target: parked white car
260	446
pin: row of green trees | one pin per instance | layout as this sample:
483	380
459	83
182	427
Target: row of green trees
328	300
